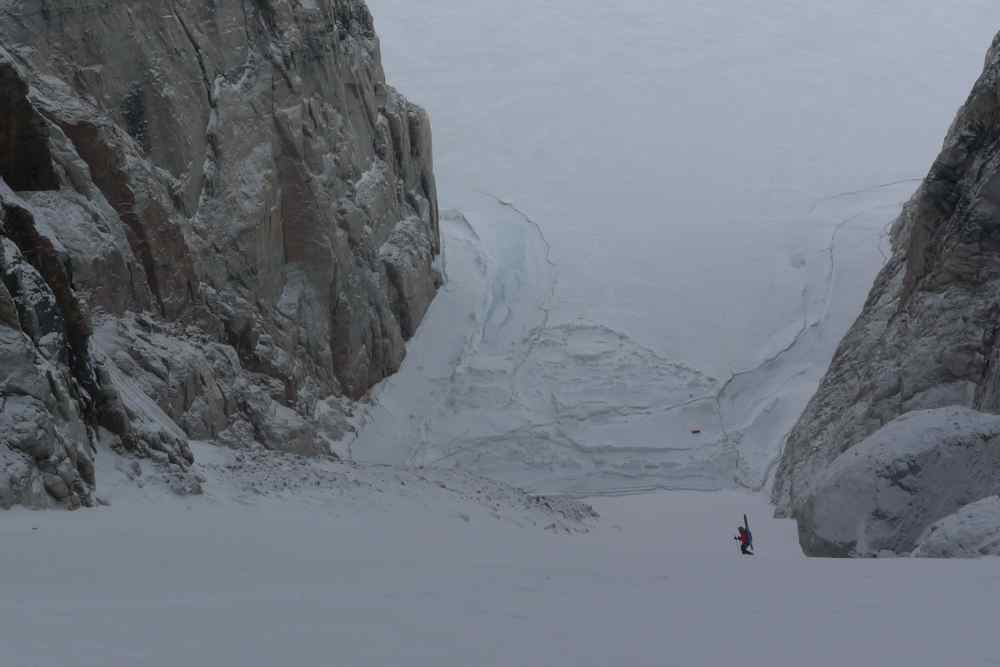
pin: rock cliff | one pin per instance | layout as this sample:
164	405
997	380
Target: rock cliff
928	338
217	223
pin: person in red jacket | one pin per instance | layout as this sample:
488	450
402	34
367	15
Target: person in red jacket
745	540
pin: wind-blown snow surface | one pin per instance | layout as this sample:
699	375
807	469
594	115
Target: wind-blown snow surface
672	213
378	572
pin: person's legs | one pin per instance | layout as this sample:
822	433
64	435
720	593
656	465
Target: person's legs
744	549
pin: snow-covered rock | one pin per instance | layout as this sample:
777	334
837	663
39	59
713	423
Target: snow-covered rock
928	335
213	217
881	494
971	532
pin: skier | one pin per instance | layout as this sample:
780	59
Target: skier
745	540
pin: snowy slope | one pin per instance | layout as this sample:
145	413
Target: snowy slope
491	384
392	574
673	215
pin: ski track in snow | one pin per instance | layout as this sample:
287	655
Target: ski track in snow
863	191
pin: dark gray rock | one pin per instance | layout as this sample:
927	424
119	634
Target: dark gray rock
56	487
971	532
206	235
25	159
8	309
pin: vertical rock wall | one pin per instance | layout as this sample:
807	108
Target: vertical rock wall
928	335
216	215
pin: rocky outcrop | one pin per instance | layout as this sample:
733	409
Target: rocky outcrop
47	379
881	494
218	223
928	335
971	532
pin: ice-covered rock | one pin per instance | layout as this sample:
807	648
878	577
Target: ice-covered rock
928	335
47	380
881	494
971	532
214	217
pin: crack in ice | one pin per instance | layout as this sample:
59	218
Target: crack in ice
854	193
531	340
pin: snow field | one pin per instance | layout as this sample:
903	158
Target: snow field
407	576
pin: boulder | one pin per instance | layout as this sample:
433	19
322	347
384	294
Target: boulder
882	494
971	532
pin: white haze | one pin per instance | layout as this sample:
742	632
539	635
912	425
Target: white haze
673	151
714	181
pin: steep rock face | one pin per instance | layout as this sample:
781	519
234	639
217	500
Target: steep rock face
928	335
217	221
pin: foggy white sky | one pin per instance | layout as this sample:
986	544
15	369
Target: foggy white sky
672	151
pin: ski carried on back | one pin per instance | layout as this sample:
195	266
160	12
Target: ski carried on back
745	537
